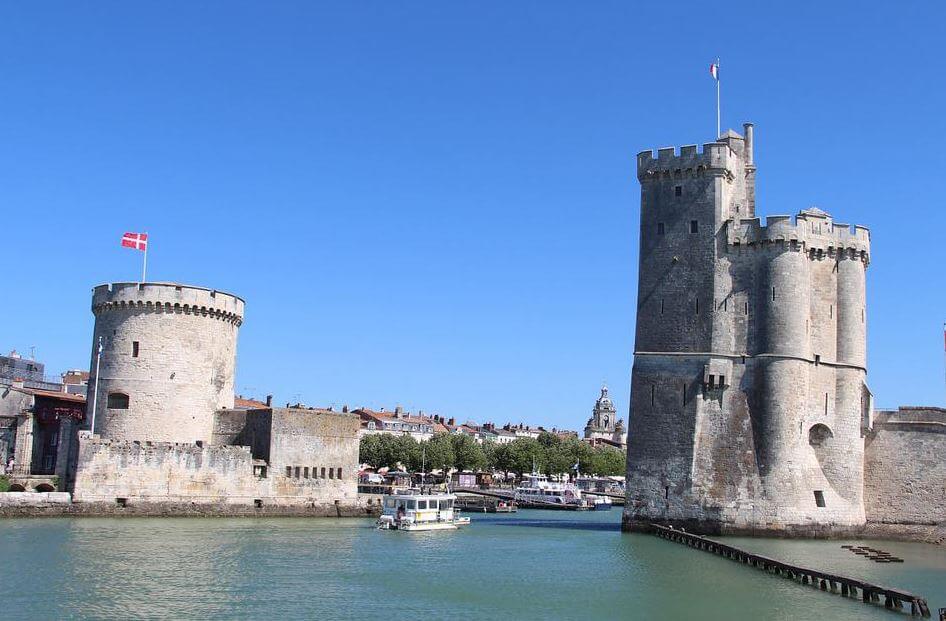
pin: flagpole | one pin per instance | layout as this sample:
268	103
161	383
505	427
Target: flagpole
718	128
144	266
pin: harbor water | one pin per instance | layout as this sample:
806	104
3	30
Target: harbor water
530	565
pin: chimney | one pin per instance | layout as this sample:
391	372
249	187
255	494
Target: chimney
345	409
747	136
750	170
269	401
452	422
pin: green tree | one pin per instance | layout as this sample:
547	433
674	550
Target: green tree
369	450
468	455
524	453
609	462
404	451
439	451
503	459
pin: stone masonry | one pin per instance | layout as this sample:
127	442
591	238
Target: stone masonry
748	395
168	360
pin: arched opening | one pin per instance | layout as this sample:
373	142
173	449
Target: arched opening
16	487
819	435
45	487
117	401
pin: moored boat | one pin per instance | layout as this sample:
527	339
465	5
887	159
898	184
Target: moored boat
538	491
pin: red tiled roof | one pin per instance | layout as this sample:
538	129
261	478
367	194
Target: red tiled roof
52	394
251	404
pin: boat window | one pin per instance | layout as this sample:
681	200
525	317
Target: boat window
389	502
412	504
421	504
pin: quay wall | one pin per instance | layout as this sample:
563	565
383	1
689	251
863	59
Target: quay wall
905	467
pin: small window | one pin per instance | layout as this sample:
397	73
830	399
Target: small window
422	504
653	394
660	228
773	294
817	359
722	381
678	190
117	401
297	472
134	349
331	473
305	472
819	498
289	471
661	307
712	381
323	472
339	473
694	226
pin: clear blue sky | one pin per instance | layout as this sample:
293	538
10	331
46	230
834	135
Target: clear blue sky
434	204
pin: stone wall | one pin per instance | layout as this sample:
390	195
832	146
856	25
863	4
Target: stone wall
291	457
905	470
172	350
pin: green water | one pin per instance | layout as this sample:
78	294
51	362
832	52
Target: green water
532	565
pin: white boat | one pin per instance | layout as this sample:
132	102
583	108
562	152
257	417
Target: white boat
416	510
538	490
601	503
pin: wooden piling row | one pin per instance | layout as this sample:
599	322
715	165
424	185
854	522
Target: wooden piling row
894	599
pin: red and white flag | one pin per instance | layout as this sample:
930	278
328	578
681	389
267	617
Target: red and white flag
714	71
138	241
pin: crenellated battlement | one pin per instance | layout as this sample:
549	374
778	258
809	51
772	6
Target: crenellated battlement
811	231
163	450
167	298
715	157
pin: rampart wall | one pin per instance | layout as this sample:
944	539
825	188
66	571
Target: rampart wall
905	467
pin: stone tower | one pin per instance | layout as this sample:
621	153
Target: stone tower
604	423
748	394
168	360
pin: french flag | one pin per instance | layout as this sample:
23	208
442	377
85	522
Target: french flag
714	71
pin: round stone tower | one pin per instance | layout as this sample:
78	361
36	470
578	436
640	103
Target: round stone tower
167	363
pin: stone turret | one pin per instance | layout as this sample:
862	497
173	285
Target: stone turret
748	394
168	360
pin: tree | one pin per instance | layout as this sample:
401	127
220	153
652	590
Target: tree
524	454
369	450
439	452
609	462
468	455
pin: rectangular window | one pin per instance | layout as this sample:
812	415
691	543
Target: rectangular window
678	190
331	473
712	381
660	228
297	472
288	471
825	404
422	504
305	472
697	306
653	394
323	472
134	349
684	394
773	294
722	381
661	307
817	359
819	498
831	311
694	226
747	308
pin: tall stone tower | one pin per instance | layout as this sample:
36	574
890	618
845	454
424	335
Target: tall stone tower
748	394
168	360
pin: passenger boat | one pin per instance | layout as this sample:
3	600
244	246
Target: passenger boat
538	490
416	510
601	503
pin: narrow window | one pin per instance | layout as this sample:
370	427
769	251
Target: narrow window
661	307
747	308
288	471
339	473
831	311
667	492
684	394
331	473
722	381
862	314
297	472
819	498
323	472
117	401
697	307
726	304
817	359
678	190
134	349
712	381
825	404
305	472
653	394
773	294
694	226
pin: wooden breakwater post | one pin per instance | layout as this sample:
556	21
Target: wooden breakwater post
893	599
